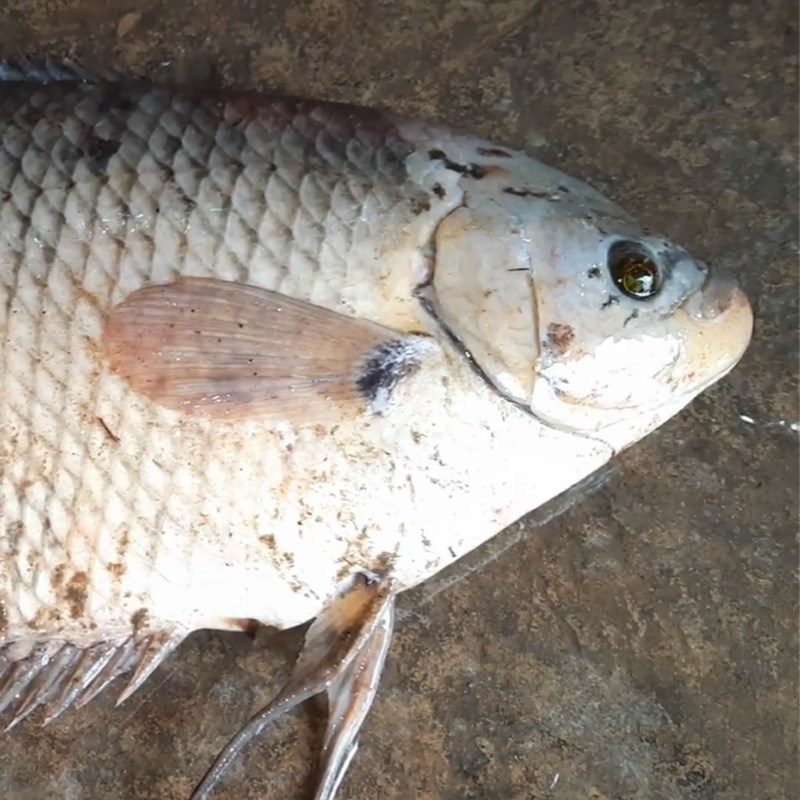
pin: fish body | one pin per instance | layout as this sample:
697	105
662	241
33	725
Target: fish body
128	520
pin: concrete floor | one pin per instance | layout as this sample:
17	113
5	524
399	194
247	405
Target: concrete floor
643	644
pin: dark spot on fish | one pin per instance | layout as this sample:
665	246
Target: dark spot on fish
420	204
385	366
438	190
518	269
612	299
632	315
57	577
493	151
594	272
44	618
113	101
451	551
99	151
116	568
14	536
268	540
602	231
139	619
248	626
559	337
111	435
75	594
527	193
563	189
471	170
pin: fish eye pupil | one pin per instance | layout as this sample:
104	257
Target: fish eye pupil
633	270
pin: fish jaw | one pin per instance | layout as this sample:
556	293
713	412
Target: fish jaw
700	343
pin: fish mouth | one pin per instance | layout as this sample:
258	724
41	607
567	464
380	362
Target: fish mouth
715	324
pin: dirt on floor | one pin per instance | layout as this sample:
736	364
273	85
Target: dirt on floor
641	644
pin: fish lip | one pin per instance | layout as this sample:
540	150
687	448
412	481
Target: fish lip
719	292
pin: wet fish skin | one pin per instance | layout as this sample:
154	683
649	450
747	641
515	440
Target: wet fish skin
121	519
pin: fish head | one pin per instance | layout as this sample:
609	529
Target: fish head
575	312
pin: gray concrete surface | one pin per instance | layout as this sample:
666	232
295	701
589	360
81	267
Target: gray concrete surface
642	645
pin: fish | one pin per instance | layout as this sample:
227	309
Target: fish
278	360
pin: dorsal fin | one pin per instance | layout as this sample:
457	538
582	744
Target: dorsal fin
49	70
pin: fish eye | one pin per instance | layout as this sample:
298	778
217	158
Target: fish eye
633	270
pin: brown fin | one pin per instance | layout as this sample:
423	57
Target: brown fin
225	350
345	633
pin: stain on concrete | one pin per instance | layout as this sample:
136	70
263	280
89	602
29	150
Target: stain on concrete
642	645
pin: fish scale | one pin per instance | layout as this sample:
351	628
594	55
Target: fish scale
273	359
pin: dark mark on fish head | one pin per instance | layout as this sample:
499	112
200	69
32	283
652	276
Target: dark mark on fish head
470	170
559	337
612	300
438	190
384	367
528	193
632	315
420	204
493	151
594	272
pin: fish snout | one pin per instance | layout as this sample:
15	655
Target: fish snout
720	292
720	295
722	315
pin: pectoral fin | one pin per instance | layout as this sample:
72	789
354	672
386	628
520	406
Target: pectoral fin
225	350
